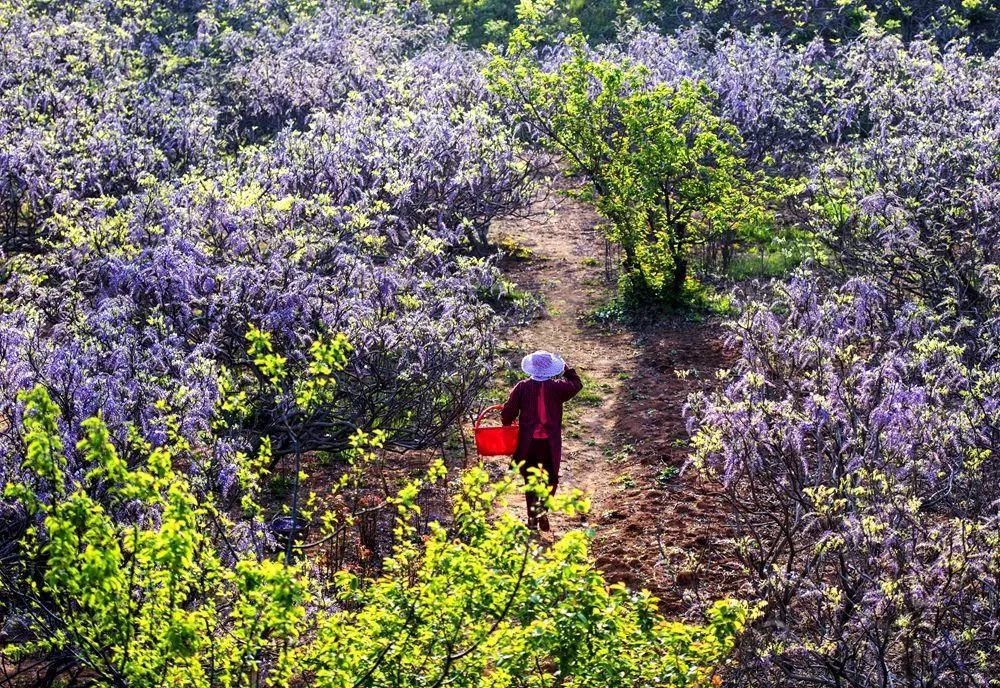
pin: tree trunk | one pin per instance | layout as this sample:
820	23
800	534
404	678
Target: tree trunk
680	258
680	277
631	262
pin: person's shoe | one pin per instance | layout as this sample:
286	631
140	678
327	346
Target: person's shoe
532	523
543	523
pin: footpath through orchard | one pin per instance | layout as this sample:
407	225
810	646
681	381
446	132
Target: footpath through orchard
624	440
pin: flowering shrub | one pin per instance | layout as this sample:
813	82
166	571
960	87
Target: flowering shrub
148	601
162	316
785	100
856	434
856	440
95	96
913	203
347	164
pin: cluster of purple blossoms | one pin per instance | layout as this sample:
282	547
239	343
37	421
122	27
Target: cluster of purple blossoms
168	186
857	436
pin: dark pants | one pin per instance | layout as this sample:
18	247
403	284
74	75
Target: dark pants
539	455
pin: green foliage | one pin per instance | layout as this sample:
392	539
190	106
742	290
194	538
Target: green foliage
658	162
315	384
772	253
146	602
43	445
261	351
594	392
667	474
479	22
150	601
803	20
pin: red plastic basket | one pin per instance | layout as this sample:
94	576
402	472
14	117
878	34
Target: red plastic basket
497	441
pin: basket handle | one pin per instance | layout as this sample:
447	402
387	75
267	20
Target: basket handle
486	410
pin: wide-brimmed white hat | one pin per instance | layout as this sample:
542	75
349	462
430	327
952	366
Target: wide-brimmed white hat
541	365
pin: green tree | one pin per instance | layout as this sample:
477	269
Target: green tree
657	162
479	22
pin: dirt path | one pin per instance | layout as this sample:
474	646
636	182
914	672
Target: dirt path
570	289
624	438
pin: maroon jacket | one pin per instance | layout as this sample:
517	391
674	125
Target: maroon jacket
522	402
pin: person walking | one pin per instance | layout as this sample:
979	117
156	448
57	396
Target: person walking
538	402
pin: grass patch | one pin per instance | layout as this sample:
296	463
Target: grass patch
625	309
619	454
667	474
768	265
624	481
593	393
611	313
513	250
787	250
505	293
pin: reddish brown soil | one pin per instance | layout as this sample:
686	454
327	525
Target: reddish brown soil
655	525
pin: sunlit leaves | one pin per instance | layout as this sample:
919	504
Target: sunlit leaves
261	351
43	446
147	601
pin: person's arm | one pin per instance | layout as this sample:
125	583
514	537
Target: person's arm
570	385
512	408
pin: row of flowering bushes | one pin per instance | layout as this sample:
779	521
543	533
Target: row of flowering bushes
857	440
172	176
233	231
857	435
